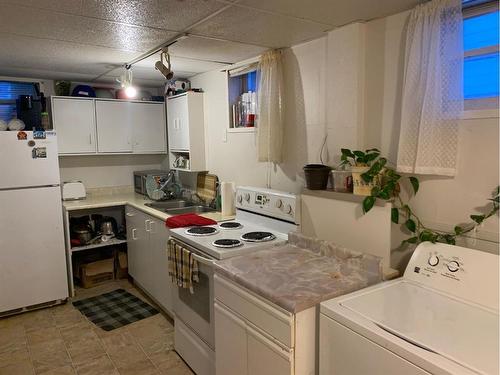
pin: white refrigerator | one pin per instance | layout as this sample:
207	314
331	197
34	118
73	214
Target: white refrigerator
32	254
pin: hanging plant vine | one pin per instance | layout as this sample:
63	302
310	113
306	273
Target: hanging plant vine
401	213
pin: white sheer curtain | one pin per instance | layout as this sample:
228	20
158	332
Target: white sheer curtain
270	108
432	100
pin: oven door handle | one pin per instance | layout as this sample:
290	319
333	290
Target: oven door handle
206	261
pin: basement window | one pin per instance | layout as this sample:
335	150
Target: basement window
242	93
481	57
9	93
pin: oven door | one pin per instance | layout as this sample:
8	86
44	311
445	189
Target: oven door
196	310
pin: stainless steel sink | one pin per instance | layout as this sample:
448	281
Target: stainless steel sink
195	209
165	205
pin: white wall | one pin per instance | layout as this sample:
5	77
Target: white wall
107	170
347	86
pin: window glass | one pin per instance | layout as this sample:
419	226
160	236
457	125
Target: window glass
9	92
481	76
481	38
481	31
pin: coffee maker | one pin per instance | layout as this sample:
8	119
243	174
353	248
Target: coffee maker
29	110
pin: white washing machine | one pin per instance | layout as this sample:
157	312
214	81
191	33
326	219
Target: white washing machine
441	317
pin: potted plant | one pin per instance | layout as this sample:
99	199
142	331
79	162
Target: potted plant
363	162
388	189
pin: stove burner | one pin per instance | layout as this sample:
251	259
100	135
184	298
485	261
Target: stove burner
201	231
258	236
227	243
230	225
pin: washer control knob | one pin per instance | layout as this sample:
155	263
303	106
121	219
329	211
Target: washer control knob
453	266
239	198
247	197
288	209
279	203
433	260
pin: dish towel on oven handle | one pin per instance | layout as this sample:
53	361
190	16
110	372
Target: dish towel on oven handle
182	267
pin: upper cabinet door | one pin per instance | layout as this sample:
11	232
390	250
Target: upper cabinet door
114	126
148	127
178	123
74	121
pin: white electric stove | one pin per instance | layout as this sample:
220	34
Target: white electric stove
441	317
264	218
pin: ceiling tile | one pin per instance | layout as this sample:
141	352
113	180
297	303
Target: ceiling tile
214	50
261	28
66	6
166	14
333	12
44	74
27	21
43	54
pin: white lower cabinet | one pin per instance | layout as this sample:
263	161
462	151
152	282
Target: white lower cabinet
255	337
147	256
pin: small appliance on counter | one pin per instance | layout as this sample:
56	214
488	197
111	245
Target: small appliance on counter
73	190
140	178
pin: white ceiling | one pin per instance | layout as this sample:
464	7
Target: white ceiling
88	40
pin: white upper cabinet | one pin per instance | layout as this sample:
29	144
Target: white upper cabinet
178	123
186	131
74	122
114	126
148	128
103	126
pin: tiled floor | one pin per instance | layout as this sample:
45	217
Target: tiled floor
60	341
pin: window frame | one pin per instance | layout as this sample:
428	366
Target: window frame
483	107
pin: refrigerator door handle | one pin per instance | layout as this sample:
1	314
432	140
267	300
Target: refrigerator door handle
134	231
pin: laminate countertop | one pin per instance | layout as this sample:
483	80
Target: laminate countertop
121	196
303	272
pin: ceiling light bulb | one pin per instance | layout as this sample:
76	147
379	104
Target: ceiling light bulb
131	92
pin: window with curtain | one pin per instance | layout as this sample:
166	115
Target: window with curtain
9	92
481	55
242	89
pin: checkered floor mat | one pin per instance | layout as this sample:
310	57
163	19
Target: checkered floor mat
114	309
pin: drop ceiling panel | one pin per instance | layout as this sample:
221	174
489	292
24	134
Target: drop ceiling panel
43	54
215	50
45	74
261	28
38	23
65	6
333	12
165	14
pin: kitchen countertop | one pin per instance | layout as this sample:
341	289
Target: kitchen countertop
121	196
303	272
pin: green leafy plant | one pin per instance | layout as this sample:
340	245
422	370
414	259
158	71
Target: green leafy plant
389	189
358	158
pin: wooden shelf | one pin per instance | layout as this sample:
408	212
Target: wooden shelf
111	242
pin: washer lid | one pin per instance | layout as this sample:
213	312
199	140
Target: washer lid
462	332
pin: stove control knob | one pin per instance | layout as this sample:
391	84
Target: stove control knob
239	198
279	203
433	260
247	197
288	209
453	266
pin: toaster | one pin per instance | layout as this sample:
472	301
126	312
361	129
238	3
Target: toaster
73	190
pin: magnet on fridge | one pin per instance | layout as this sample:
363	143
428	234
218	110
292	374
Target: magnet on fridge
31	143
39	152
38	134
22	136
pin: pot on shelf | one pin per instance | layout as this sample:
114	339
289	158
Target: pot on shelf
360	186
317	176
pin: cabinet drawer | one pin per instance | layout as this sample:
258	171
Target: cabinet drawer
275	322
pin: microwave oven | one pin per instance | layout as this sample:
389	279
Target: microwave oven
140	179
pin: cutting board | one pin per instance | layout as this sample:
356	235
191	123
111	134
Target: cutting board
206	186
